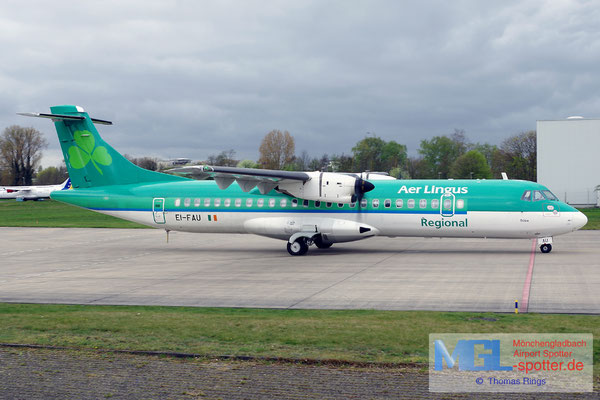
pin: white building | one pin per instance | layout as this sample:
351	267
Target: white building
568	159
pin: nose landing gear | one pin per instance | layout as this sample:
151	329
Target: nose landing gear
545	244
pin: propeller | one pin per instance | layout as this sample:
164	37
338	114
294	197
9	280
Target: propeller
361	187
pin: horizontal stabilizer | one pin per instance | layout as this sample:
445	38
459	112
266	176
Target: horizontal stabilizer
62	117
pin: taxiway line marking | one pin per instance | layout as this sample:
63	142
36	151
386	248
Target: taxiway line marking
527	285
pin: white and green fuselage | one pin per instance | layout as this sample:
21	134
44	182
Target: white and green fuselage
104	181
472	208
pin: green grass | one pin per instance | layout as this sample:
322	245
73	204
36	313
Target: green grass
364	336
593	215
50	213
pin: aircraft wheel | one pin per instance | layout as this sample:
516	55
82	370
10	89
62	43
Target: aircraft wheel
546	248
298	248
320	244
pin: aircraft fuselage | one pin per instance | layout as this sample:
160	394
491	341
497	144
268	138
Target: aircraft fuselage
424	208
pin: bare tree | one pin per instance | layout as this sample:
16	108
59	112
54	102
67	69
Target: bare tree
226	158
520	156
276	150
21	151
302	162
148	163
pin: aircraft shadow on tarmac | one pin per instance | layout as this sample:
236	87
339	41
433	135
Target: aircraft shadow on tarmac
341	251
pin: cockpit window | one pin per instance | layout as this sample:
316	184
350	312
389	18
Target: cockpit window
537	195
526	195
549	195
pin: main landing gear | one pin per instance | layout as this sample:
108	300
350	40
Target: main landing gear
320	243
298	246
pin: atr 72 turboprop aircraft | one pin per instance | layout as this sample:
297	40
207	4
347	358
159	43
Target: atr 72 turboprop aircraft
303	208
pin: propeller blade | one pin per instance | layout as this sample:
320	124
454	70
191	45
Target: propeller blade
360	188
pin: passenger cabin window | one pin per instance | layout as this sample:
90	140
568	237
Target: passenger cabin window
422	203
177	202
294	202
352	205
260	202
363	203
317	204
387	203
305	203
435	203
329	205
186	202
217	202
526	195
375	203
248	202
207	202
340	205
410	203
447	204
399	203
227	202
460	204
196	202
271	202
238	202
283	203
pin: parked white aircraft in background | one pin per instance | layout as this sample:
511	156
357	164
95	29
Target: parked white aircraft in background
22	193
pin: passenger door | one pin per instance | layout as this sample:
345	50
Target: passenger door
158	210
447	204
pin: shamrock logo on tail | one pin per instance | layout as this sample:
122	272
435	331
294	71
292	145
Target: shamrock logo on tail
86	151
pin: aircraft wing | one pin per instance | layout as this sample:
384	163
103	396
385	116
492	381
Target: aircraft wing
248	178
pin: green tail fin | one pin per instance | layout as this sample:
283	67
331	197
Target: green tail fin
90	160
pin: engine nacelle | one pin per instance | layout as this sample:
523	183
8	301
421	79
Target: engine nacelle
331	229
329	187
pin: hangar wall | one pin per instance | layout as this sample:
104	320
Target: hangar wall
568	159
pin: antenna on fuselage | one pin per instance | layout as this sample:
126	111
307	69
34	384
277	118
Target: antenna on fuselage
504	176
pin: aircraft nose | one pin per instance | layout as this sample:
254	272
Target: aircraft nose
579	220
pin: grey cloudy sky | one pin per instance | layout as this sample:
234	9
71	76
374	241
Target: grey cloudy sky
192	78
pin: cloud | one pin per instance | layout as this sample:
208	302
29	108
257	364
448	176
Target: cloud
189	79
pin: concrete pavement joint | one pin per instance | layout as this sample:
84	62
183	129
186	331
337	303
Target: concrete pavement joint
343	280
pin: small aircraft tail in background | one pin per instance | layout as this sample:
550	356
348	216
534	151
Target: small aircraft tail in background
67	184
